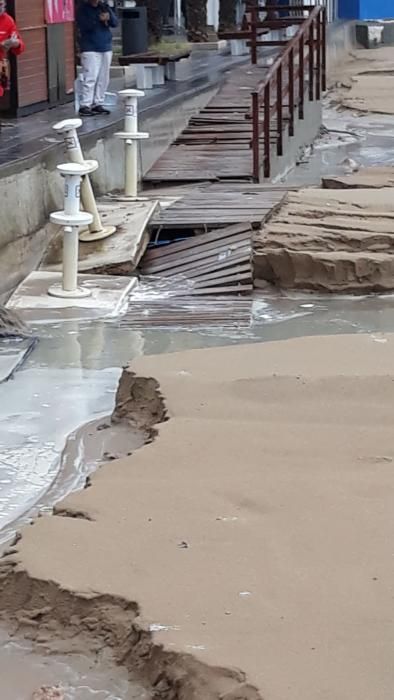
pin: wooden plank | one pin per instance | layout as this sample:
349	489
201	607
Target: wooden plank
226	290
216	235
198	256
230	242
239	259
221	274
230	278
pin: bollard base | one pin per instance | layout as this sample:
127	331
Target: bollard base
87	235
56	290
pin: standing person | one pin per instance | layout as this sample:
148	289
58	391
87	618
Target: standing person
94	20
10	42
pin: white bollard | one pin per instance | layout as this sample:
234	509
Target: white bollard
71	218
68	128
131	136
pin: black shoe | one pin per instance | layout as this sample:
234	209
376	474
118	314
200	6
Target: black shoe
86	112
99	109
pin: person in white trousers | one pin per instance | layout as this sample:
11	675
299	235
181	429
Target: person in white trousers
95	20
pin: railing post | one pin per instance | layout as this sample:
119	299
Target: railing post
279	111
318	58
256	136
253	35
267	125
311	62
301	80
291	92
323	50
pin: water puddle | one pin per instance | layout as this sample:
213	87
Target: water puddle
363	139
23	672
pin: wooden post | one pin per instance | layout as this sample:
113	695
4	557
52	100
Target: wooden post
256	136
279	111
253	35
267	125
311	62
301	79
318	58
324	50
291	92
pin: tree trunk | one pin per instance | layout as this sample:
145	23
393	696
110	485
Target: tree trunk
196	20
155	28
272	14
227	15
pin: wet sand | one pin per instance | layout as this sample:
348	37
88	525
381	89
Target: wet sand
254	533
365	81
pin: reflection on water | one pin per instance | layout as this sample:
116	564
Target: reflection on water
72	375
22	672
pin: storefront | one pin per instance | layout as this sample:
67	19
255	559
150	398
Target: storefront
44	74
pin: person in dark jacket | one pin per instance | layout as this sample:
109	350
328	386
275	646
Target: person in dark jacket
95	20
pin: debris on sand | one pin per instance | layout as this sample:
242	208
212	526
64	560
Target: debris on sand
49	692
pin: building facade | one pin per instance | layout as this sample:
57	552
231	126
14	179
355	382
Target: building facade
44	74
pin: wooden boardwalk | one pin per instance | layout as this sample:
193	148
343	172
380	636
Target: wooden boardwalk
216	144
218	205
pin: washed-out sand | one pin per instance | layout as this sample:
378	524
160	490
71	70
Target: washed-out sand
255	532
365	81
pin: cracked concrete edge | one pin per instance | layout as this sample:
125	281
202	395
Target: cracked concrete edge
44	611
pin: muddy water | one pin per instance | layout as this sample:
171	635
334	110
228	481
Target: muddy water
23	671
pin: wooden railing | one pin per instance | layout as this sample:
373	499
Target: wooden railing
297	74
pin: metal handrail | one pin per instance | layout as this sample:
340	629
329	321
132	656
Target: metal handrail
311	33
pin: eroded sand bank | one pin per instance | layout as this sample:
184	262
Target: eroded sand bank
338	240
254	532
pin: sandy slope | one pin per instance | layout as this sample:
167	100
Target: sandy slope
332	240
257	527
365	82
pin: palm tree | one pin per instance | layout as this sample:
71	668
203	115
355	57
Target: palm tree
196	20
155	27
227	15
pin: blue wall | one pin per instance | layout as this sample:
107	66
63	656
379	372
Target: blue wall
348	9
366	9
376	9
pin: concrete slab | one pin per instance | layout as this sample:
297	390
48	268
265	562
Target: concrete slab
119	253
33	303
13	353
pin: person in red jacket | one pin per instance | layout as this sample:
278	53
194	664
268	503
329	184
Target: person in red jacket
10	42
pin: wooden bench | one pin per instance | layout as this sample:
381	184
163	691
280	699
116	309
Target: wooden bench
153	68
152	57
238	39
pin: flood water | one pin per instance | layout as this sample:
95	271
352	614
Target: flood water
72	376
24	671
70	380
